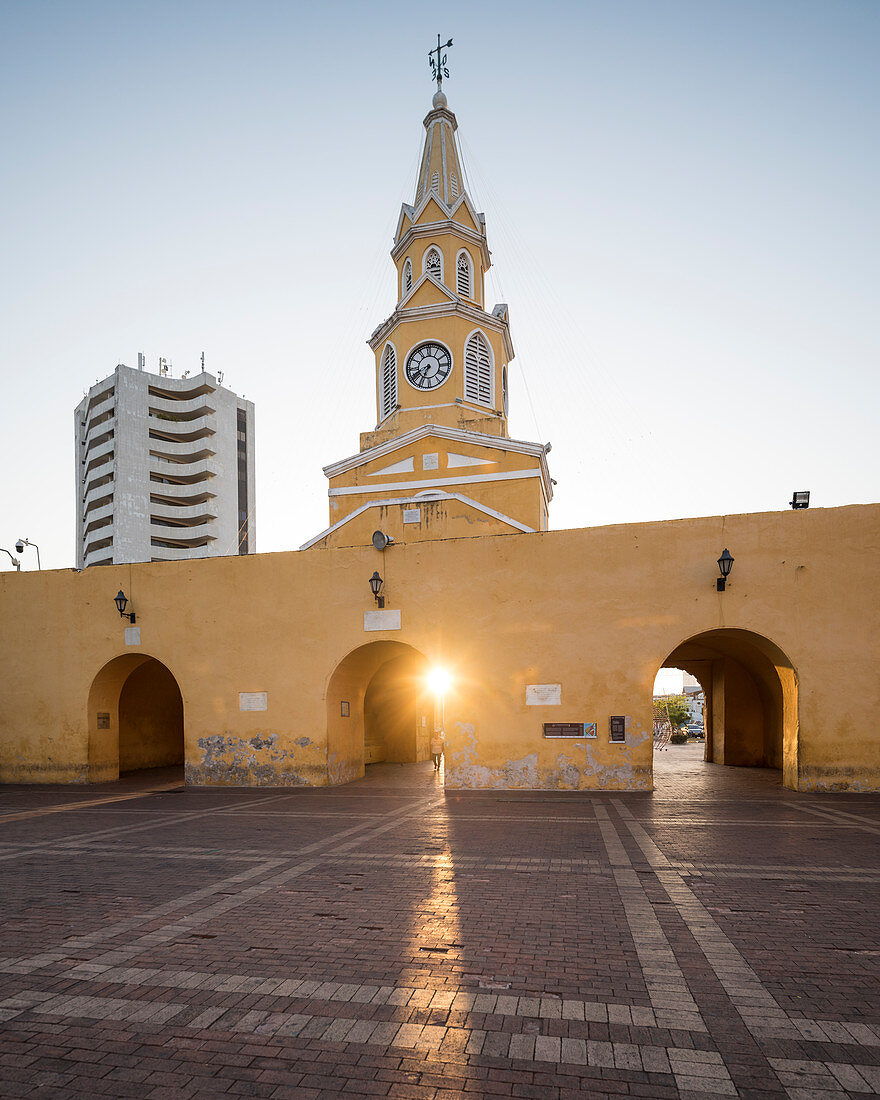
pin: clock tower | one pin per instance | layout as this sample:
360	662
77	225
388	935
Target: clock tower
440	462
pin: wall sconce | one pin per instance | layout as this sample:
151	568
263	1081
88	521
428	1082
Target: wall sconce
376	583
22	543
725	563
800	500
121	603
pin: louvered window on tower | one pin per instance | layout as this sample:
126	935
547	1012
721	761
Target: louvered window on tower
478	370
389	381
432	264
463	276
407	277
453	184
435	181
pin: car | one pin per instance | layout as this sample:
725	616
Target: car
695	729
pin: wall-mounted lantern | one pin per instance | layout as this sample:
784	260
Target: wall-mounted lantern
121	602
376	583
800	500
725	563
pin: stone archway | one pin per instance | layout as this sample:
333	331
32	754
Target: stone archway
135	718
378	708
751	691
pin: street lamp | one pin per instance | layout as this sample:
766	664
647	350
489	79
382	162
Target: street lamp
14	561
121	602
22	543
725	563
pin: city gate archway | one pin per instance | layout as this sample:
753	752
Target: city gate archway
751	692
135	716
379	708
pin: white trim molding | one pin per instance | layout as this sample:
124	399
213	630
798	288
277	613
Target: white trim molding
472	479
359	511
440	431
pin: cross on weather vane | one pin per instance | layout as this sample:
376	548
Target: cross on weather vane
438	63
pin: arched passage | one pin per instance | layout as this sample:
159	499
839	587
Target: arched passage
135	716
378	708
750	687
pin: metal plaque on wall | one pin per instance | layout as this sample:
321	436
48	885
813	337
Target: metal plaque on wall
565	729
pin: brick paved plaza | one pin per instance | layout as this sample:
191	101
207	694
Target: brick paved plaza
717	938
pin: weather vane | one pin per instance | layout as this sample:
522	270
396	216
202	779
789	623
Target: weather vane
438	63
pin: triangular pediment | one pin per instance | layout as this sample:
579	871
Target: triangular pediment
464	217
432	211
407	215
489	444
428	291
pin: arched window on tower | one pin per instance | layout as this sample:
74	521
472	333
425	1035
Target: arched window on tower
433	263
407	277
388	395
478	370
463	280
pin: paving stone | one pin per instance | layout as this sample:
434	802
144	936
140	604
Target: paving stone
279	950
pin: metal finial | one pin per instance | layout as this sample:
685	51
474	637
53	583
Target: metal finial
438	63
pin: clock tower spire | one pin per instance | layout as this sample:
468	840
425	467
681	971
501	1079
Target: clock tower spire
441	363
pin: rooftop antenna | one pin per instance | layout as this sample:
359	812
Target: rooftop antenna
142	360
219	377
438	63
163	365
203	362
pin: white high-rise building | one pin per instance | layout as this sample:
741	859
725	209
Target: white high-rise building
164	470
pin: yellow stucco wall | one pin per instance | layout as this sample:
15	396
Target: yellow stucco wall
595	610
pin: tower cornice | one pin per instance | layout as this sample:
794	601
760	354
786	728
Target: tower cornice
431	229
452	308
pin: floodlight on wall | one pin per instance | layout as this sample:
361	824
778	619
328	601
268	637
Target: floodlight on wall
800	500
380	540
22	543
14	561
725	564
121	602
376	583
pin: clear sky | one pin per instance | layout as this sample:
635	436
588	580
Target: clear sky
681	201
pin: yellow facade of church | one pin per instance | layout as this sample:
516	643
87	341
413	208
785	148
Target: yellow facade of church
282	669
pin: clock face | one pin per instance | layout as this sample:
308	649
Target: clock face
428	366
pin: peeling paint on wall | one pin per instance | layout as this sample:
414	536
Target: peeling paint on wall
254	761
578	769
853	780
342	771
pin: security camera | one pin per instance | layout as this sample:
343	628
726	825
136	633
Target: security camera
19	547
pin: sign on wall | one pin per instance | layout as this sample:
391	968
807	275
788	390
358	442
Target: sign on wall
543	695
253	700
617	727
569	729
103	720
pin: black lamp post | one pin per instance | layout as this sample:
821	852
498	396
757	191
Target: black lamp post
725	563
121	603
376	583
